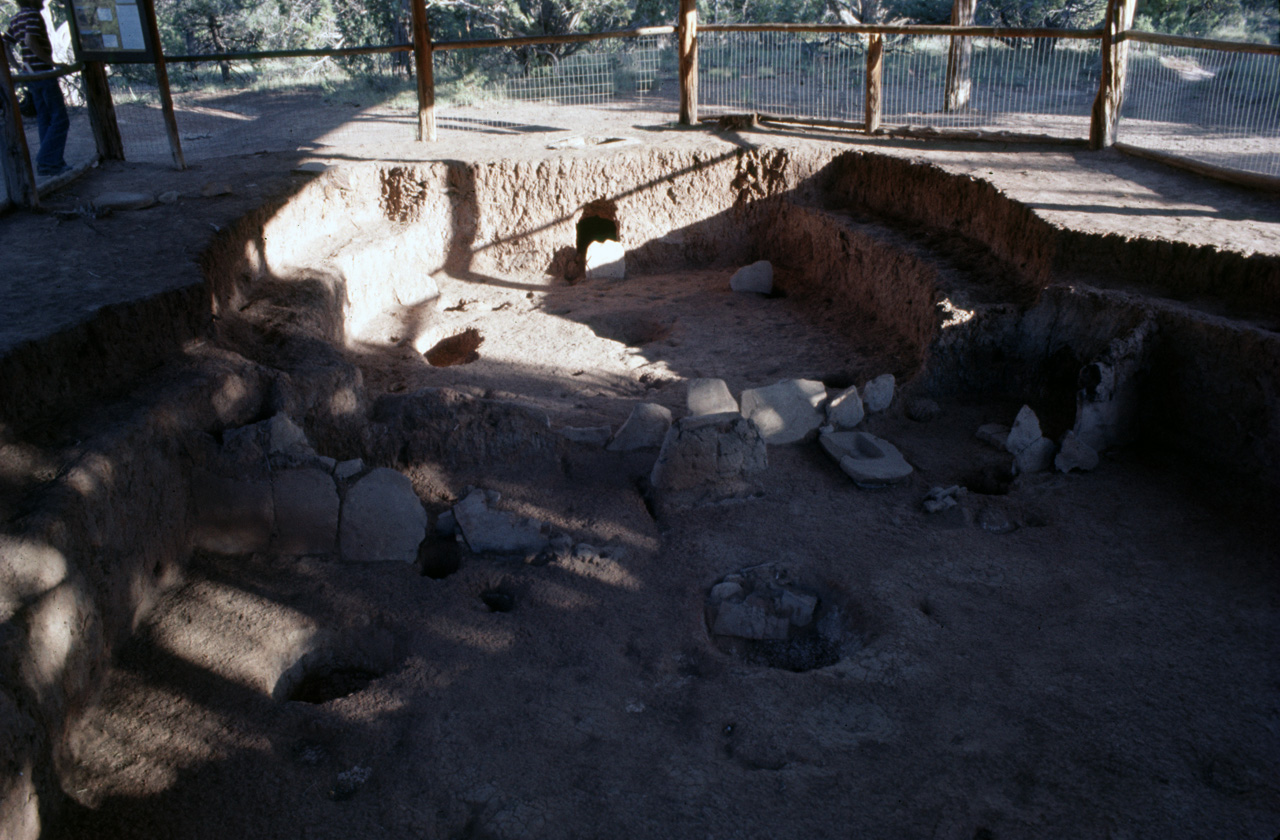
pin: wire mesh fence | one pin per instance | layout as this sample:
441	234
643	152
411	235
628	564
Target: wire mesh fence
1034	85
532	83
1029	85
784	74
1221	108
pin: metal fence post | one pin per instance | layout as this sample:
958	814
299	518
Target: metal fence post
688	62
875	81
1115	55
424	70
960	58
15	157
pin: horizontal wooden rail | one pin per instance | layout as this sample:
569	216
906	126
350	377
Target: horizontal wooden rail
1253	180
1200	43
534	40
56	73
878	29
336	52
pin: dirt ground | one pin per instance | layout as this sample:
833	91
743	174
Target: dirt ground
1098	661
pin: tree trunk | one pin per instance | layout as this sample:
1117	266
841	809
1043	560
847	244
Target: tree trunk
960	58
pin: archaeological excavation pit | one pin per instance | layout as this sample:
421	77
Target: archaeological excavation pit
437	533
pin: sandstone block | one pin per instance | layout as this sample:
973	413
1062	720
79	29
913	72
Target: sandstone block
490	531
1075	455
644	429
757	277
382	519
785	412
846	410
867	459
878	393
709	396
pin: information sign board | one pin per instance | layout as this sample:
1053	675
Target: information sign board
114	31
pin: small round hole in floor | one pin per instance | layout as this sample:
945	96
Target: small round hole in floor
331	683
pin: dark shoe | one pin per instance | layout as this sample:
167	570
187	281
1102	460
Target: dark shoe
50	173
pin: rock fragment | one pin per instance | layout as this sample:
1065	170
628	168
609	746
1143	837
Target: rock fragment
1036	457
878	393
123	201
346	470
785	412
1025	431
644	429
382	519
993	434
757	277
845	410
709	396
491	531
1075	455
940	499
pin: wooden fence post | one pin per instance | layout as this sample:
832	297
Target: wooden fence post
162	82
102	112
15	157
960	58
424	70
1115	57
688	62
875	81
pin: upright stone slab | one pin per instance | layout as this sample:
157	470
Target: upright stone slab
1025	431
644	429
233	516
1075	455
846	410
878	393
382	519
709	396
785	412
306	503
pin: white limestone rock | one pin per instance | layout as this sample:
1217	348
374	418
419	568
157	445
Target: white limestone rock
491	531
645	428
709	396
785	412
382	519
845	411
1025	431
606	261
1075	455
1035	457
123	201
757	277
867	459
878	393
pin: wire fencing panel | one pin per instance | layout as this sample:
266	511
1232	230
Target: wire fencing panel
532	83
1028	85
1217	107
783	74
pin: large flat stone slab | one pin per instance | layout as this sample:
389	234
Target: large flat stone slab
709	396
382	519
785	412
491	531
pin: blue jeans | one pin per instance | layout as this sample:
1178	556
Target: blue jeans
52	123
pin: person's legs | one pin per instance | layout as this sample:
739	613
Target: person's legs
52	122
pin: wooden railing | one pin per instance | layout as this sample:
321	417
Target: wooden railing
1113	37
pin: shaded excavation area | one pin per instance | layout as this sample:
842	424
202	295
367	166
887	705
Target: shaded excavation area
854	500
